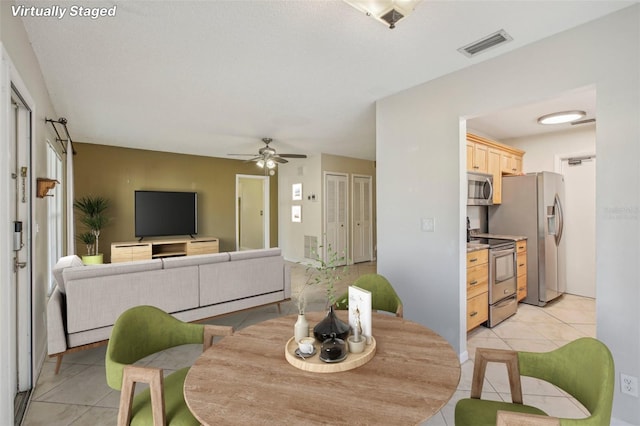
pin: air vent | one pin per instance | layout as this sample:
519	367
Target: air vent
486	43
310	247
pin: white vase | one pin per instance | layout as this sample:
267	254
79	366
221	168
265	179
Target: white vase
301	328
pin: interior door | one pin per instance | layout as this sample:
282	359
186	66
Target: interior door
336	213
252	212
580	201
20	208
362	228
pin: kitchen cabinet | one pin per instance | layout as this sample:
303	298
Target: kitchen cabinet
521	269
477	288
511	163
485	155
477	157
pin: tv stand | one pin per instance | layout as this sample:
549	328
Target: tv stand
153	249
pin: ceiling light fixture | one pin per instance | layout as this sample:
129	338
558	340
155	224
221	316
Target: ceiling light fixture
561	117
260	163
270	163
388	12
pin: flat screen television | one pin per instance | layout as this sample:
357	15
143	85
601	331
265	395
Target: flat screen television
162	213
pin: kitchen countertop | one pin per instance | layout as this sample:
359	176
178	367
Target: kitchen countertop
480	246
476	246
501	237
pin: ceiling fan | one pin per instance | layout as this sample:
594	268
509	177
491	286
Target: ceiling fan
268	157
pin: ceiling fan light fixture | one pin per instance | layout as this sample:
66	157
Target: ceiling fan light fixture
270	163
389	12
260	163
561	117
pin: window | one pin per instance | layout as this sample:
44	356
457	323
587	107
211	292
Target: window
54	207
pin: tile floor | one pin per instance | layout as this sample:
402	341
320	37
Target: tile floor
79	395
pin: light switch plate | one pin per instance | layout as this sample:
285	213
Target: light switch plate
428	224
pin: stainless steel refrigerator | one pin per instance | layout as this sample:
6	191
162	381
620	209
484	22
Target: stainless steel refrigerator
532	206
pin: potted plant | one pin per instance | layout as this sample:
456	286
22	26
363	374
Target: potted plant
327	273
94	219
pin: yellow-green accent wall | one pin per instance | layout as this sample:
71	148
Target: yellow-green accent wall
115	173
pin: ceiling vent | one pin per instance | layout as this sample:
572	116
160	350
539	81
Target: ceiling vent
485	43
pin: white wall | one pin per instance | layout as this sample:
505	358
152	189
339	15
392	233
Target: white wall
14	40
420	152
291	235
541	150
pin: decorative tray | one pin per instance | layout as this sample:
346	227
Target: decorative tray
314	364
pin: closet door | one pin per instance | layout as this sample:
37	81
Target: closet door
336	214
362	229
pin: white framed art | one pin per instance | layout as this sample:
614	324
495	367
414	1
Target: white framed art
296	192
296	213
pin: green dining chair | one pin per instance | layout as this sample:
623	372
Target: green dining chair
138	333
583	368
383	296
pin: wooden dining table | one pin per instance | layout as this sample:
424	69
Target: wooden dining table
245	379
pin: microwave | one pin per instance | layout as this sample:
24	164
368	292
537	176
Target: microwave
479	189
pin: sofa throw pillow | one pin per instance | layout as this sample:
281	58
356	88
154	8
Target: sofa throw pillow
64	262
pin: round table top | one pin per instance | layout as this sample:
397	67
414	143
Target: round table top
245	378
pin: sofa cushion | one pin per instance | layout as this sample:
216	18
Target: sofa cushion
223	282
63	263
110	269
95	302
253	254
200	259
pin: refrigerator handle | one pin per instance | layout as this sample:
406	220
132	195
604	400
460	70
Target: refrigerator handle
560	216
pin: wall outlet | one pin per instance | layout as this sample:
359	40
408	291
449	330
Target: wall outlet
629	385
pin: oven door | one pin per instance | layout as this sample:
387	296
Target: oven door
503	274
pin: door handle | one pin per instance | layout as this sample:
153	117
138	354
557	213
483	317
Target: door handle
18	265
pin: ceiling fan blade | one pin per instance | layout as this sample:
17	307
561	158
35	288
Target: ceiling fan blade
278	159
253	159
242	154
293	155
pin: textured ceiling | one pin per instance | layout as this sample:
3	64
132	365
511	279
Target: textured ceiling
214	77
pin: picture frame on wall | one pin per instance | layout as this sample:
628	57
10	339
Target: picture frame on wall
296	192
296	214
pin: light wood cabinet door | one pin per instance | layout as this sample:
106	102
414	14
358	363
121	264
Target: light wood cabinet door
477	280
477	257
521	269
470	156
202	247
493	164
521	284
477	310
128	252
477	157
511	163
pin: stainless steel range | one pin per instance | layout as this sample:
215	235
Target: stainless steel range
502	280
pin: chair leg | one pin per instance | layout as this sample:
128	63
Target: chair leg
510	358
154	377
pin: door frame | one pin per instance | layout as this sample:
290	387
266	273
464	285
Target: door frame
10	365
265	207
347	248
353	219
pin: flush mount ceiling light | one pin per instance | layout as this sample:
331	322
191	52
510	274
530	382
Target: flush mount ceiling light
561	117
386	11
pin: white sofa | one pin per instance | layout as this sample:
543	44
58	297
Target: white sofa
88	299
